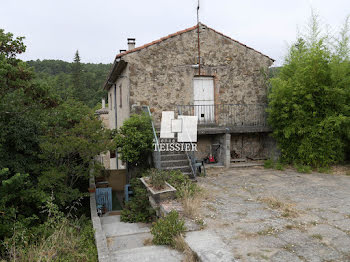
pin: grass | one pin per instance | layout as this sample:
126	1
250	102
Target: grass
269	163
287	209
69	241
181	245
191	205
317	236
303	169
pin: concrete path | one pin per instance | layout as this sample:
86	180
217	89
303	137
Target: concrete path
125	242
208	246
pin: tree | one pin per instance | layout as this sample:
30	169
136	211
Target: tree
134	139
309	100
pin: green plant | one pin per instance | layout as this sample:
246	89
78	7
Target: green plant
138	209
269	163
182	183
135	139
279	166
157	178
308	99
303	168
166	229
325	169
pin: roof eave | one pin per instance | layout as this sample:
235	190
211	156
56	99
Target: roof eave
118	67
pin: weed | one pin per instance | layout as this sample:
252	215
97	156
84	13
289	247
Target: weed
325	170
286	208
147	242
181	245
269	163
166	229
303	169
279	166
317	236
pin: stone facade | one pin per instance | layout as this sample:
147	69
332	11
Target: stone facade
161	74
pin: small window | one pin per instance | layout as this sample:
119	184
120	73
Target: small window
110	101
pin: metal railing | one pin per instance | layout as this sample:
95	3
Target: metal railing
156	153
227	114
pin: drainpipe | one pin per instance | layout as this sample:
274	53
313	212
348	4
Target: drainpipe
116	120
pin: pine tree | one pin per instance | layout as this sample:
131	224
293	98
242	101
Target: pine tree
77	75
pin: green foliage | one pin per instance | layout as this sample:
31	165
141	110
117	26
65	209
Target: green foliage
309	101
269	163
157	178
75	80
279	166
60	238
166	229
134	139
177	179
47	147
303	168
138	209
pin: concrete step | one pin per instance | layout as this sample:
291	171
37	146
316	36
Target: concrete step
208	246
173	163
173	157
184	169
112	227
147	254
164	153
127	242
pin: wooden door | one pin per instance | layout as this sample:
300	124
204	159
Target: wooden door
203	96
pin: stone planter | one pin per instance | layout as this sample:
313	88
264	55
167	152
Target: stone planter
169	192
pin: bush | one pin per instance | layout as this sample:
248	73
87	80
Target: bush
135	140
157	178
166	229
138	209
309	98
181	182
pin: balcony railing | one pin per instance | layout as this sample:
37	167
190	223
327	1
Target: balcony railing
244	115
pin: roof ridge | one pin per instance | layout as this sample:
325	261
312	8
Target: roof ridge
184	31
157	41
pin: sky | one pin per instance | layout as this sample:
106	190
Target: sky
55	29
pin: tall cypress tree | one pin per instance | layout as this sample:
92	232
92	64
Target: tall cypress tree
77	75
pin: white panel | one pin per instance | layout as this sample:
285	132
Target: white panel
189	129
165	128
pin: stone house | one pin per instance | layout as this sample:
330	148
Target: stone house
225	87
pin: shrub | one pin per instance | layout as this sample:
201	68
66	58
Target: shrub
138	209
182	183
166	229
135	139
268	163
309	98
157	178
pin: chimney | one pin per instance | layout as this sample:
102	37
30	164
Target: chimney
131	43
122	50
103	103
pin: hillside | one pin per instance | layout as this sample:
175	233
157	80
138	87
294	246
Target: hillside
62	77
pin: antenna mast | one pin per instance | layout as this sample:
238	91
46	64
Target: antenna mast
199	49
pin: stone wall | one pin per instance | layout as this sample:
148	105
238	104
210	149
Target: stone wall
161	75
252	145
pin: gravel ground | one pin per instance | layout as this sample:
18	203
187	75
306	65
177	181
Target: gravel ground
270	215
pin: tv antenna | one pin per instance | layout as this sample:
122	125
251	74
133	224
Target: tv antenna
199	48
